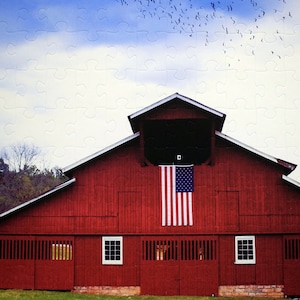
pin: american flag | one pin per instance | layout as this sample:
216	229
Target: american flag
177	187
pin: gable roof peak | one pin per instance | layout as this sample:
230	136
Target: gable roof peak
176	96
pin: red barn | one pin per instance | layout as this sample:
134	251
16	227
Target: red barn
177	208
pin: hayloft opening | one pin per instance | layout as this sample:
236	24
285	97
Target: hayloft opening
181	141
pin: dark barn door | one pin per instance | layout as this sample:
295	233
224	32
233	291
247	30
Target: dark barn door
179	266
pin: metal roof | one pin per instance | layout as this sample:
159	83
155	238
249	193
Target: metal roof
101	152
285	164
137	134
291	180
174	97
54	190
257	152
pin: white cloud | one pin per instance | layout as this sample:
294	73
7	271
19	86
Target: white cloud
73	100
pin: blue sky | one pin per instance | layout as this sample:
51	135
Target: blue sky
96	21
72	71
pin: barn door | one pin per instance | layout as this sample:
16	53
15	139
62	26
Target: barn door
179	266
198	266
160	268
291	265
54	265
16	262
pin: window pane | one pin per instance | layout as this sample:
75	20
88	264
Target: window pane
245	249
112	248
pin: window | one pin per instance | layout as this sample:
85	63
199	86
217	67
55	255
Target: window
245	250
112	250
160	250
292	249
178	249
62	251
43	249
198	250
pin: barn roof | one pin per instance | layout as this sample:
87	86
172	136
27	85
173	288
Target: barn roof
289	166
101	152
34	200
220	117
285	164
291	181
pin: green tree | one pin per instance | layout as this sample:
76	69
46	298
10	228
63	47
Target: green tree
20	179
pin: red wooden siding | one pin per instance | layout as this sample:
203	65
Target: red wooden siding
292	265
54	265
240	193
37	262
130	212
88	260
16	262
89	270
227	201
269	265
175	110
267	270
179	266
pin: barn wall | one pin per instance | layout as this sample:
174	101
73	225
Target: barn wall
89	270
268	269
19	275
66	262
239	194
37	262
291	270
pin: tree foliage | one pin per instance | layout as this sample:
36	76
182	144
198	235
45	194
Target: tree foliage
20	156
20	179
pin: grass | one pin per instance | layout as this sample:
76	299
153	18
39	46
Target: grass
44	295
47	295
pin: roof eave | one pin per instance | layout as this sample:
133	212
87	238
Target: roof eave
100	153
291	181
36	199
170	98
285	164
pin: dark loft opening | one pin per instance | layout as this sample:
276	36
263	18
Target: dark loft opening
177	141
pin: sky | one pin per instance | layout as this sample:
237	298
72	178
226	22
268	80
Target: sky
72	71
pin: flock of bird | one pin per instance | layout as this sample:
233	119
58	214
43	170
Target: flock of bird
186	17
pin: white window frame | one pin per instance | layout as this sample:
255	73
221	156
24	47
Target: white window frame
106	261
248	261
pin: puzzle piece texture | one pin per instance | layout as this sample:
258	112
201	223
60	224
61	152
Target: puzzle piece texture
71	71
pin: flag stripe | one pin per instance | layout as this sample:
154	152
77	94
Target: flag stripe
179	210
163	197
174	198
177	206
184	210
190	209
169	193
